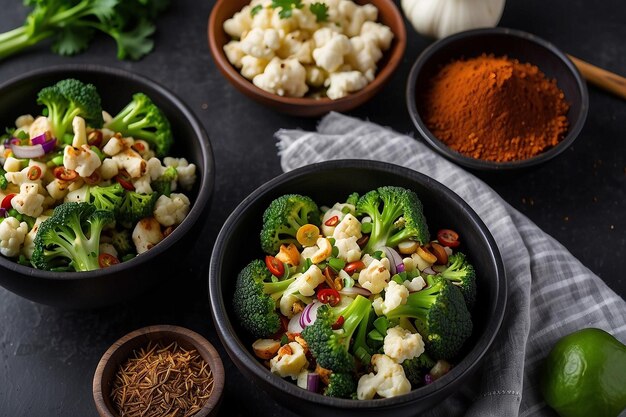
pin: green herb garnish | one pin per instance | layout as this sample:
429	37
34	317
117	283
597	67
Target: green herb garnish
256	9
286	7
320	10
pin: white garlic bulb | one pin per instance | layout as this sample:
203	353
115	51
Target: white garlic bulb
440	18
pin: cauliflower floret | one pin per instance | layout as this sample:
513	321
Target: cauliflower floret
12	234
22	177
108	169
375	276
131	161
113	146
336	210
296	45
415	284
238	24
252	66
388	381
349	226
353	15
24	121
29	239
315	76
172	210
289	361
395	295
342	83
283	77
146	234
39	126
80	134
57	189
82	160
12	164
234	53
323	249
330	49
79	195
364	56
28	202
260	43
306	283
400	344
349	250
378	33
186	171
142	184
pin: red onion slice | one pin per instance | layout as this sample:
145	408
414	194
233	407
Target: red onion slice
294	325
313	382
48	146
309	314
3	212
394	260
27	152
40	139
429	271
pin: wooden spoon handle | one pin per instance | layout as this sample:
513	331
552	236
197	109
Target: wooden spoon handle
601	78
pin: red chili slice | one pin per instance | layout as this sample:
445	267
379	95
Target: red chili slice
275	266
105	260
353	267
448	237
6	201
124	179
333	221
34	173
329	296
64	174
337	325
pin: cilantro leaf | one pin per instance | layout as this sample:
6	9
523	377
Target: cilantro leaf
320	10
286	7
135	43
256	9
72	40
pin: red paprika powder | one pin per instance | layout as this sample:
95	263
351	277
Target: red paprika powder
495	108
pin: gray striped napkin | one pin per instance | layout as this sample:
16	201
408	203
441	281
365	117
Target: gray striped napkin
550	295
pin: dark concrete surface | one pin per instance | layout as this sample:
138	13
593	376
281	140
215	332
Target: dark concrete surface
48	356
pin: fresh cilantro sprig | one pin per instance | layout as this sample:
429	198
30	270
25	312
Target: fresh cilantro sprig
286	7
320	10
71	24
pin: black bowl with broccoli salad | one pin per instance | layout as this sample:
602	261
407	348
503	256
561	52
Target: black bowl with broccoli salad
316	325
92	200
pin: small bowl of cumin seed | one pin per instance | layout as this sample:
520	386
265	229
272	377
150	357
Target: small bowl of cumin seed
157	371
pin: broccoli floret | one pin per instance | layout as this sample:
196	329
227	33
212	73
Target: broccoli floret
353	199
4	183
70	238
122	241
283	218
254	300
416	368
341	385
106	198
442	318
135	206
462	274
397	215
67	99
163	184
330	347
142	119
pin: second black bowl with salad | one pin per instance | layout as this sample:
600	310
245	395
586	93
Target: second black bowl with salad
270	359
105	281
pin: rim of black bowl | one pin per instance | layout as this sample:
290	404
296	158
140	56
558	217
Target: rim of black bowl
207	177
227	333
481	164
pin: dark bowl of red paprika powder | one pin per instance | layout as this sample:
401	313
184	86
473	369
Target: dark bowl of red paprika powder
496	99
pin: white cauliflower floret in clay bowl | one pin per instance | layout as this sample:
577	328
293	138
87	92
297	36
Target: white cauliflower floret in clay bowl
307	57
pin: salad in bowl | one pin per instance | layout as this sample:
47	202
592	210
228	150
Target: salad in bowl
355	300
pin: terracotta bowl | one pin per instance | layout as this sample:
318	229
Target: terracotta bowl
124	347
330	181
499	41
388	14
